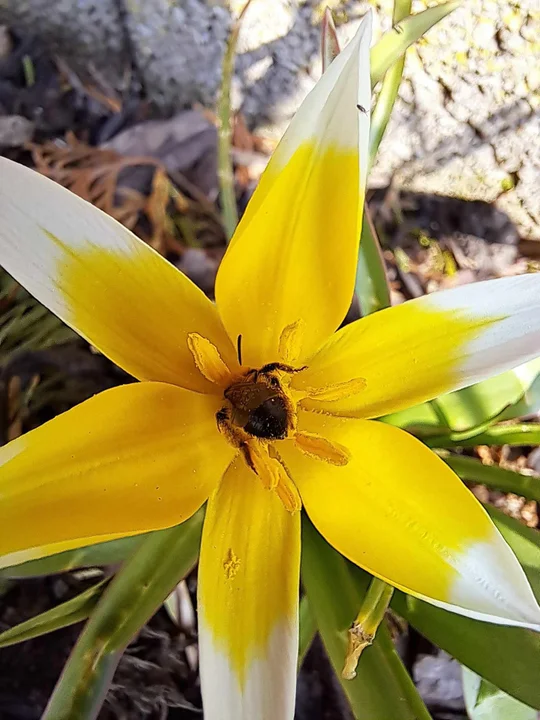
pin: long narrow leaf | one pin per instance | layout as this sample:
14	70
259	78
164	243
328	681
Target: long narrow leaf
108	553
523	434
371	282
371	286
308	629
389	89
394	42
495	477
68	613
225	129
382	687
138	590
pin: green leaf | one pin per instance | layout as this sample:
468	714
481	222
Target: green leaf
137	591
511	394
484	701
508	657
108	553
225	130
529	404
371	285
382	687
389	90
495	477
485	400
308	629
522	434
371	282
421	420
68	613
394	42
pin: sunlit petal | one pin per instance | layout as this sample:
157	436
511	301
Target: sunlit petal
248	602
398	511
293	256
103	281
426	347
132	459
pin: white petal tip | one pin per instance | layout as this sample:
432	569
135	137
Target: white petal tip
493	587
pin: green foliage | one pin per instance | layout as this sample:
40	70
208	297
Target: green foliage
159	563
484	701
382	687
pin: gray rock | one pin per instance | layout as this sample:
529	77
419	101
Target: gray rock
438	679
15	130
466	123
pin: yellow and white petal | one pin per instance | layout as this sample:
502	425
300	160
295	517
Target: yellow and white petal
399	512
103	281
248	601
132	459
294	253
438	343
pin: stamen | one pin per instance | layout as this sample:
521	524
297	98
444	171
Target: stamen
208	360
288	494
337	391
286	489
290	341
265	467
321	448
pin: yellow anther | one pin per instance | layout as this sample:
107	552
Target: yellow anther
290	342
266	468
337	391
286	489
288	494
208	360
321	448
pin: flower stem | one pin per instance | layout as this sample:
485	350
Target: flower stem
364	628
225	129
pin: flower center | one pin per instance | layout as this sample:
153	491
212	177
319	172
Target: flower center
260	410
259	403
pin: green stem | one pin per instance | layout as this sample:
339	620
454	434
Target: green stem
363	631
224	117
389	89
371	286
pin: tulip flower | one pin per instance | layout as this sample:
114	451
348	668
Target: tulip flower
260	405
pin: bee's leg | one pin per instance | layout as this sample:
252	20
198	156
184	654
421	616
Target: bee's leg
282	367
235	435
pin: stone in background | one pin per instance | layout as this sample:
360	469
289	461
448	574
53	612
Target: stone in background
466	124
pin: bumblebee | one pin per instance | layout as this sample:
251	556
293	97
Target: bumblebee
259	404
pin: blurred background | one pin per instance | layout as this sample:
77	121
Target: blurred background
116	100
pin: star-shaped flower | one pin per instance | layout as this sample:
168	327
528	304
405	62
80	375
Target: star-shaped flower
260	405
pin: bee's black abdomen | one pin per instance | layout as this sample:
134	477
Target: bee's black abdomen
270	420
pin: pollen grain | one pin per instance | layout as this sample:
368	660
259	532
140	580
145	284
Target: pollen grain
231	564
